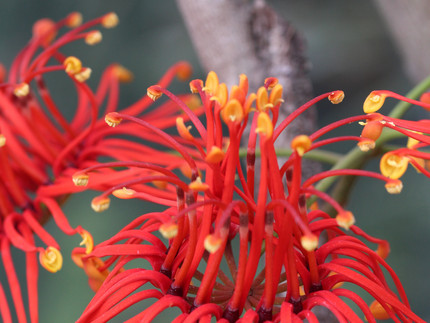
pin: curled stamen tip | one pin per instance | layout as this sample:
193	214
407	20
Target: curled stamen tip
110	20
183	130
72	65
80	179
394	187
100	203
301	144
21	90
153	92
345	219
84	75
212	243
196	85
270	82
51	259
124	193
309	242
74	20
168	230
366	145
87	241
94	37
336	97
393	166
112	119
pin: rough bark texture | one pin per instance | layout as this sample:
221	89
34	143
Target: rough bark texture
235	36
409	23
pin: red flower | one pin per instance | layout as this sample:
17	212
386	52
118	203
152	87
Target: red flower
40	149
279	267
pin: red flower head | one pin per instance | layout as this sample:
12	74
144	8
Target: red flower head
278	267
40	149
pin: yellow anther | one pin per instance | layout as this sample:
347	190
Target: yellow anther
215	155
2	140
301	144
186	170
309	242
276	95
80	179
366	145
84	75
21	90
248	103
168	230
394	186
100	203
373	102
112	119
51	259
336	97
393	166
212	243
232	112
183	130
263	99
378	311
72	65
198	185
154	93
221	94
110	20
124	193
87	241
345	219
74	20
123	74
94	37
264	125
211	83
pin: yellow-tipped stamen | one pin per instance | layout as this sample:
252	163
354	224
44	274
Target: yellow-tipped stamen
74	20
21	90
264	125
394	187
301	144
198	185
123	74
393	166
195	85
373	102
276	95
309	242
93	37
232	112
168	230
366	145
72	65
51	259
263	100
215	155
336	97
110	20
124	193
80	179
212	243
345	219
221	94
84	75
183	130
112	119
153	93
211	84
87	241
100	203
2	140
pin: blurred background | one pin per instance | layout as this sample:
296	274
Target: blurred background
349	48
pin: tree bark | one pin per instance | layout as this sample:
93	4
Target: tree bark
409	23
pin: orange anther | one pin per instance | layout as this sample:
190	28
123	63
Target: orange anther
378	311
309	242
72	65
195	85
124	193
276	95
183	130
168	230
21	90
83	75
110	20
374	102
394	187
393	166
212	243
263	100
94	37
100	203
270	82
301	144
198	185
154	92
51	259
45	29
336	97
112	119
211	83
74	20
184	71
264	125
232	112
215	155
123	74
345	219
80	179
87	240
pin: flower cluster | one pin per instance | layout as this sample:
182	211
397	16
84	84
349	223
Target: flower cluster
40	149
283	255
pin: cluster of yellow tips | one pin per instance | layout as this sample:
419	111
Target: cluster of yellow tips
51	259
